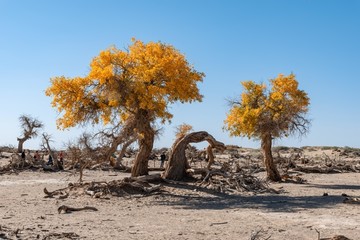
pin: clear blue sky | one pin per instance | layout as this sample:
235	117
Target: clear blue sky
230	41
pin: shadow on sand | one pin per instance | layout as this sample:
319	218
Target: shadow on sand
271	202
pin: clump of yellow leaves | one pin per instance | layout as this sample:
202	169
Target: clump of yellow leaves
279	111
144	77
182	130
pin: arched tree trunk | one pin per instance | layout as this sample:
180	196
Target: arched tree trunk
272	172
177	164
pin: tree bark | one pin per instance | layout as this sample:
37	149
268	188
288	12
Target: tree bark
178	164
118	161
146	143
210	154
126	133
142	158
21	144
271	169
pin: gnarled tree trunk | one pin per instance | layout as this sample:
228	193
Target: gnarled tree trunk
210	154
21	144
122	138
178	164
272	172
146	143
118	161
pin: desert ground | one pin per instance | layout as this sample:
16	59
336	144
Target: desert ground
313	209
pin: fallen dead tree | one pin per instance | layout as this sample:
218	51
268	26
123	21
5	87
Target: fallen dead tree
16	164
121	188
327	169
230	182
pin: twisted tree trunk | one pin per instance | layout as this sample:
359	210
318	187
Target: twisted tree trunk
178	164
210	154
146	143
126	133
272	172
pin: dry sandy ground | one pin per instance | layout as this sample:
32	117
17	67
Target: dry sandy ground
183	211
179	213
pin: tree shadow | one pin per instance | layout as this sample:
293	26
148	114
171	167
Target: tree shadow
205	199
335	187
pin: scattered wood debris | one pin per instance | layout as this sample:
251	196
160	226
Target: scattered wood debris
68	235
67	209
230	182
125	187
352	200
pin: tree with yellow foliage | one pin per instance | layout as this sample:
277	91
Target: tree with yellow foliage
132	87
267	114
182	130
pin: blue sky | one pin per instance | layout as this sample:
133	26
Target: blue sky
230	41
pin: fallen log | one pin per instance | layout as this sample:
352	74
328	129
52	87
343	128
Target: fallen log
67	209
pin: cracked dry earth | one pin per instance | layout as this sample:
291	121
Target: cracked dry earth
179	212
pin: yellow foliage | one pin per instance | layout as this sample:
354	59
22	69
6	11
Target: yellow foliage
182	130
146	76
278	112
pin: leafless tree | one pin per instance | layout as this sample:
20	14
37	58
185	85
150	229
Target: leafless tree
30	127
46	140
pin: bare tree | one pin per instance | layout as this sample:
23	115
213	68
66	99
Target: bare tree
46	139
30	127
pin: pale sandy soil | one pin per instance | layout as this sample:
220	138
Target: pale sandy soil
179	212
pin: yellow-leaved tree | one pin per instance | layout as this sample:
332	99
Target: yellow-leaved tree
132	87
267	114
182	130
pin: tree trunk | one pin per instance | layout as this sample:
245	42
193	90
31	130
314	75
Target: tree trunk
118	161
272	172
210	154
142	158
51	152
178	164
126	133
146	143
21	144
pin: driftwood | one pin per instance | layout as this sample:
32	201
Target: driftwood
67	209
292	179
224	181
128	186
62	193
326	169
64	235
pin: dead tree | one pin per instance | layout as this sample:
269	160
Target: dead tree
30	127
178	164
46	144
111	139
